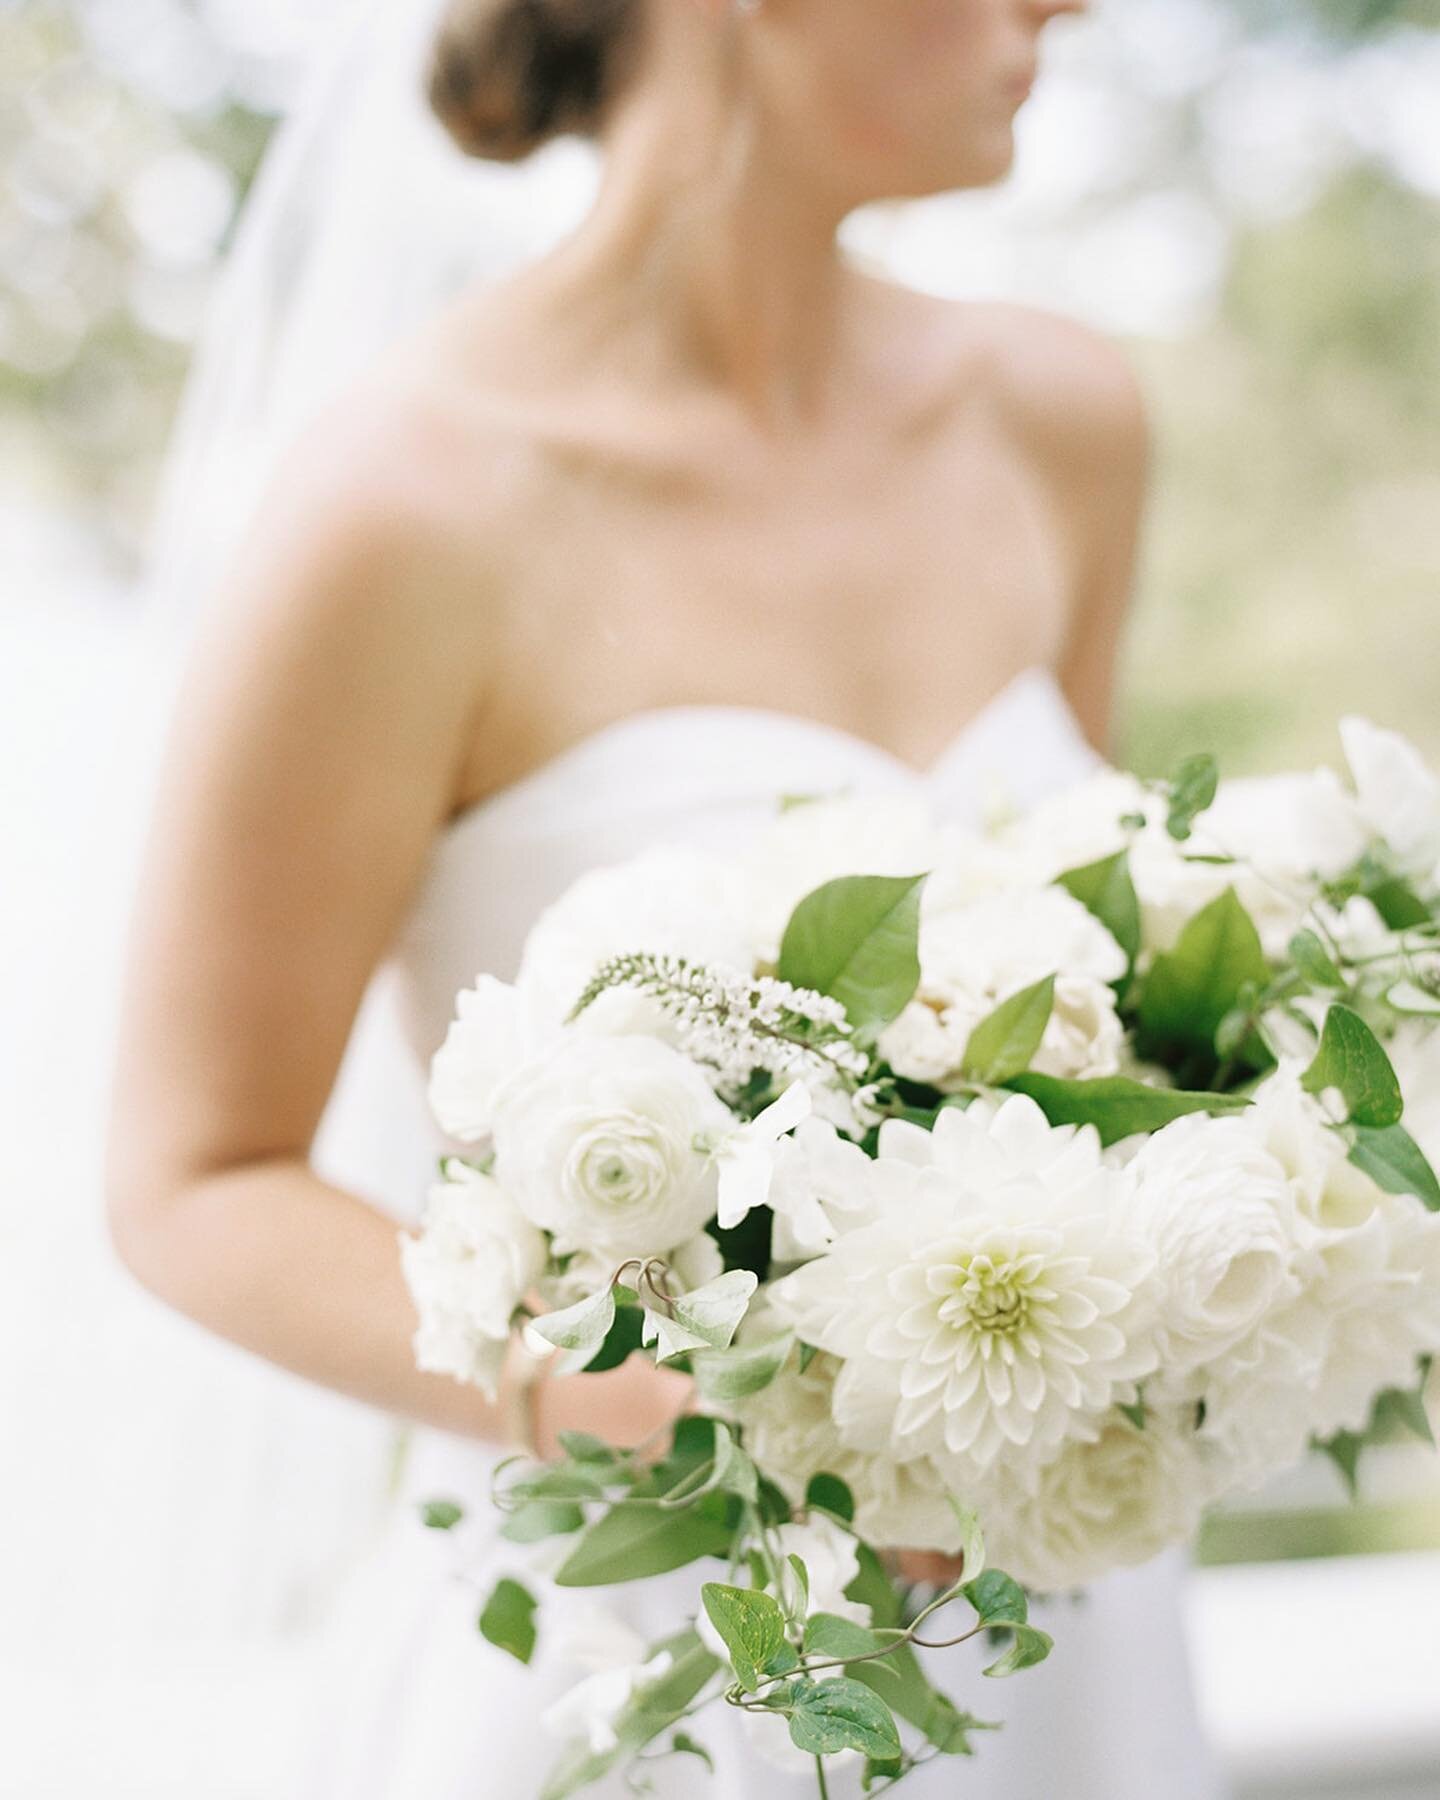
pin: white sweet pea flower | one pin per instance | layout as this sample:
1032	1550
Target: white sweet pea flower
1003	1297
608	1143
821	1187
1397	792
621	1669
746	1155
468	1269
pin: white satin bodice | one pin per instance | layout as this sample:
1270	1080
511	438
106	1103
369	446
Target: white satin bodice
700	775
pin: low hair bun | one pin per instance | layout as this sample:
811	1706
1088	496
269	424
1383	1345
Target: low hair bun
506	76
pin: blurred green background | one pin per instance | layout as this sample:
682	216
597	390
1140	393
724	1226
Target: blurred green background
1256	214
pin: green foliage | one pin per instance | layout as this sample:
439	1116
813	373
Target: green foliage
442	1515
1000	1603
508	1619
1391	1157
829	1635
1117	1106
830	1494
1192	789
541	1518
1107	890
752	1626
621	1341
856	939
640	1538
1216	962
841	1714
1351	1059
742	1369
1004	1044
579	1330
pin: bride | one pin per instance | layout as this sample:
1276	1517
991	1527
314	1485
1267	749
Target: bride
689	510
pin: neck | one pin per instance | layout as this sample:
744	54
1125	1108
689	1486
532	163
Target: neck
709	260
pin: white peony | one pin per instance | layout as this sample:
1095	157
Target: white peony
608	1143
1218	1209
473	1261
667	900
790	1430
1109	1502
621	1669
1397	793
1003	1297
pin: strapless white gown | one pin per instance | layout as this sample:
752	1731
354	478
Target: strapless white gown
416	1705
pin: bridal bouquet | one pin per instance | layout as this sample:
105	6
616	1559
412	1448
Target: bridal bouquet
1012	1194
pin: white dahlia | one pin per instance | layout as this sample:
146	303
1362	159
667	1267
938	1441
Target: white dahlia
1003	1297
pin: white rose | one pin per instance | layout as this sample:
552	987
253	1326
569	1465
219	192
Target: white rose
1217	1207
608	1143
1113	1501
468	1269
667	900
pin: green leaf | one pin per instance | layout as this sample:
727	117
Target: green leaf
639	1538
1107	890
1392	1158
1030	1646
508	1619
751	1624
841	1714
1117	1106
1351	1059
711	1314
1134	1411
972	1540
585	1447
1192	790
621	1341
1004	1044
1313	961
742	1369
1397	903
538	1519
827	1634
682	1744
998	1599
831	1495
442	1515
655	1708
734	1470
1190	989
857	939
1344	1451
579	1330
1403	1409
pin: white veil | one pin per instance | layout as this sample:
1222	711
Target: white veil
363	219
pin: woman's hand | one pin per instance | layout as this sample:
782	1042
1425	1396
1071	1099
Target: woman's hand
624	1406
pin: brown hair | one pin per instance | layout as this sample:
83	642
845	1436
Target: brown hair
506	76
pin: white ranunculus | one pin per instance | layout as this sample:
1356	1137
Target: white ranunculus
1108	1502
1003	1297
475	1257
496	1029
1217	1207
790	1430
979	953
667	900
609	1144
1397	793
822	839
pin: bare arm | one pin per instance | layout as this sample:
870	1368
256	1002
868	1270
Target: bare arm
315	751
